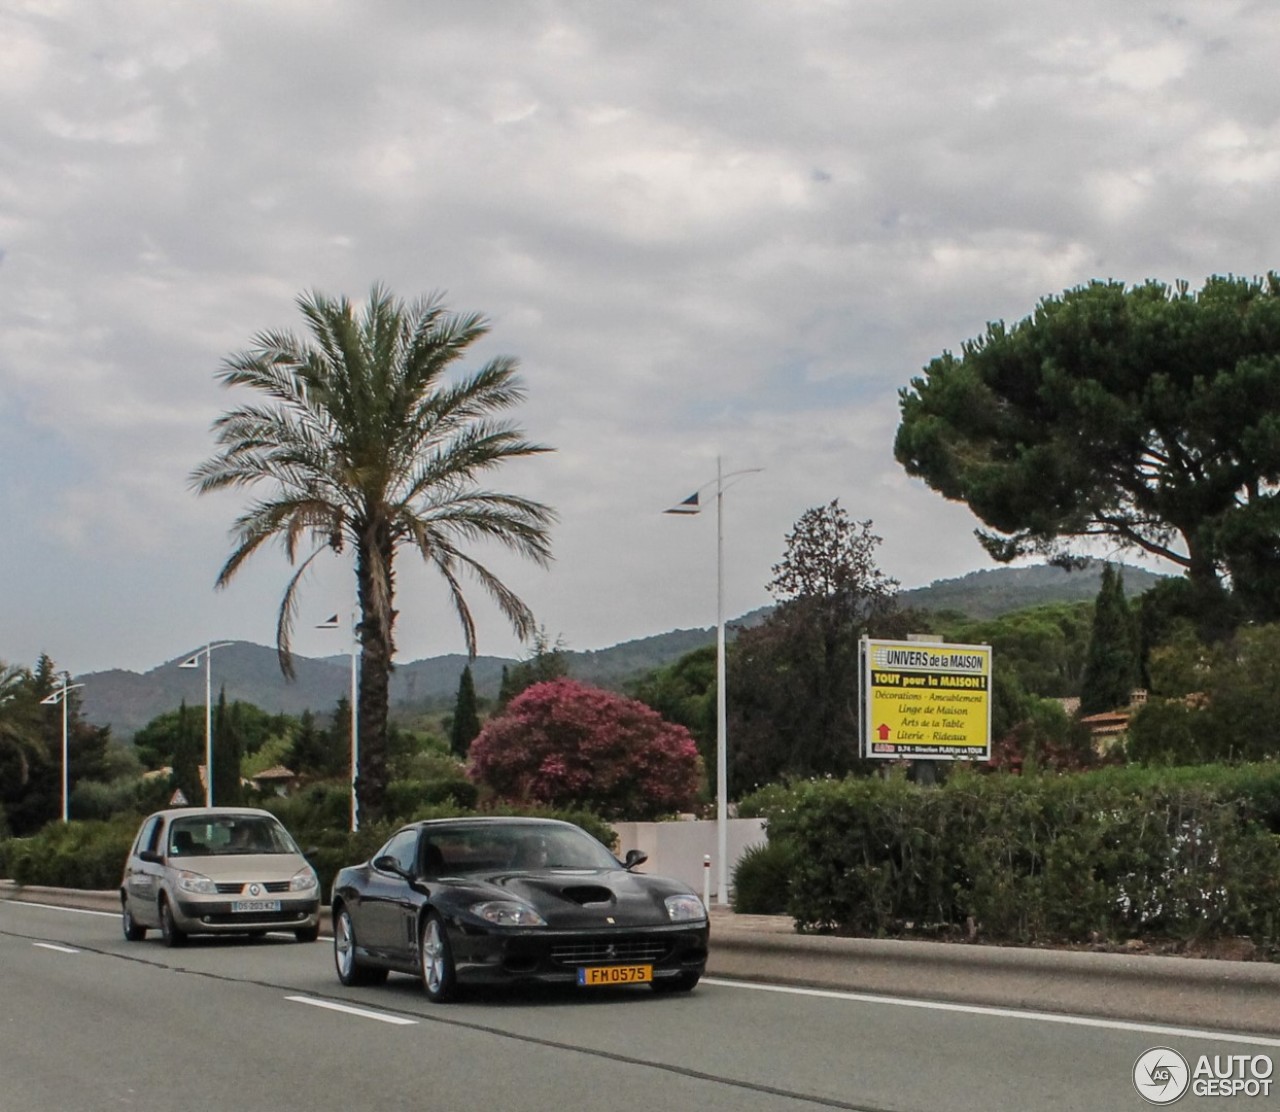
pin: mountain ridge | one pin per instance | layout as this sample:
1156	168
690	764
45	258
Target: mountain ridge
128	700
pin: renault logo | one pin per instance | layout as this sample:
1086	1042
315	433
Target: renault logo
254	890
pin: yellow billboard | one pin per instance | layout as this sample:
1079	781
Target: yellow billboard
924	700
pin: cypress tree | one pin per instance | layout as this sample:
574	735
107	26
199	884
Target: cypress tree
228	745
338	740
466	718
1111	664
188	755
307	752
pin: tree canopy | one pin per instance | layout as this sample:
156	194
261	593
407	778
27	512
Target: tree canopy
545	661
793	680
1230	712
1146	415
31	746
364	440
685	693
564	744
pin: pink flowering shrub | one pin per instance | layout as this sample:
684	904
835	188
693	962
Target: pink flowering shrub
564	744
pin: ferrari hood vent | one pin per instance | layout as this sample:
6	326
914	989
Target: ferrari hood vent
586	894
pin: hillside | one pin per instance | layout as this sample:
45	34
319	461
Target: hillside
995	591
128	700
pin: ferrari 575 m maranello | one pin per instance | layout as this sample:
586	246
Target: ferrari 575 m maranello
474	901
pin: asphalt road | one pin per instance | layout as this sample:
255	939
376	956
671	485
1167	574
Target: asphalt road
90	1022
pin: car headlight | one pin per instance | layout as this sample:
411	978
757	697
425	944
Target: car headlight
685	909
304	880
508	913
196	883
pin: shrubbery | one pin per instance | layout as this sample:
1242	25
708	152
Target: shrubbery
71	855
406	798
1184	854
762	879
564	744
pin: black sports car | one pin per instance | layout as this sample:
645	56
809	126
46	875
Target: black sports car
503	900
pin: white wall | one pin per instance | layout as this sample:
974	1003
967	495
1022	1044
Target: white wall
677	849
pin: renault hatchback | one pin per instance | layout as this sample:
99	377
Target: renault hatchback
217	870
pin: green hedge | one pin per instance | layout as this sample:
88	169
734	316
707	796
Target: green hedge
1184	854
72	855
91	855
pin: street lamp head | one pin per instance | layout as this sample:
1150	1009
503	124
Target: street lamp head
688	506
58	696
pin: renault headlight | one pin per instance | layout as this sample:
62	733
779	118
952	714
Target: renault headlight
196	883
508	913
304	880
685	909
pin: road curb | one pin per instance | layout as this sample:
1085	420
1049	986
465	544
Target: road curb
1190	992
1182	992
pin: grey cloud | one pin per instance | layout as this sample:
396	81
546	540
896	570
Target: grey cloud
699	229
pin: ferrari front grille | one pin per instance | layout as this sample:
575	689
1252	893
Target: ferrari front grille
589	951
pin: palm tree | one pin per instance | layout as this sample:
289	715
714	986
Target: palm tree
363	441
20	741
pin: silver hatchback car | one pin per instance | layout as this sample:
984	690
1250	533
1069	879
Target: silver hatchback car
217	870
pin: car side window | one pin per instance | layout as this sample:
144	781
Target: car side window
404	848
147	835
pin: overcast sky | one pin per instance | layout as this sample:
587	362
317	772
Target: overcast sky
704	229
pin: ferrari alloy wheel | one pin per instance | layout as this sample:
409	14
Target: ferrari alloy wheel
350	971
438	975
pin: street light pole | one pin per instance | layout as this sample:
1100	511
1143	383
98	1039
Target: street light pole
722	703
60	696
194	662
692	505
332	623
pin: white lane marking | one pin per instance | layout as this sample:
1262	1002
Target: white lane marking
363	1013
1002	1013
59	907
51	946
107	914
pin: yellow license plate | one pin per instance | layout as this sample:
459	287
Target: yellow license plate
615	974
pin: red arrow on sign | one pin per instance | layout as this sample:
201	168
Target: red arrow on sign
884	732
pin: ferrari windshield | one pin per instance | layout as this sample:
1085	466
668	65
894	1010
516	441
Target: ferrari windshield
517	846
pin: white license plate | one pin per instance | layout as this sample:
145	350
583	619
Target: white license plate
255	905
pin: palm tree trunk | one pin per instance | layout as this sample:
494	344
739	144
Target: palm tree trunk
375	582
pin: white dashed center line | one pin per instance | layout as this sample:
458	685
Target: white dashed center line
349	1009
